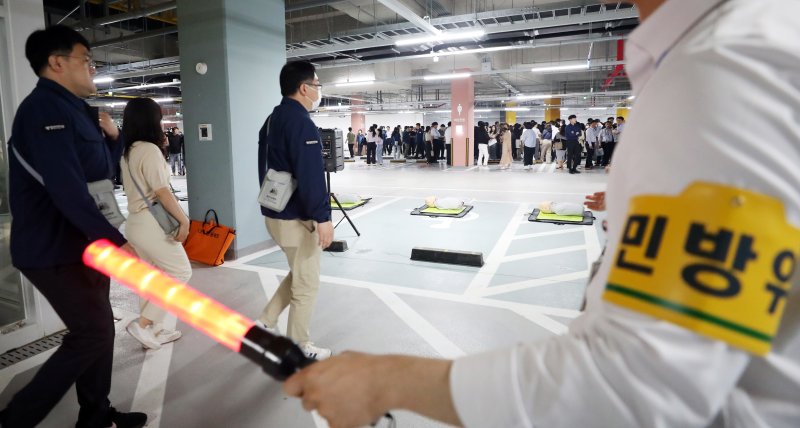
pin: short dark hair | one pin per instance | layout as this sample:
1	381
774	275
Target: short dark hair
572	116
434	123
350	129
141	121
620	117
293	74
57	39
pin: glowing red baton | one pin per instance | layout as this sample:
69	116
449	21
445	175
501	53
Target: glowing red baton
196	309
277	355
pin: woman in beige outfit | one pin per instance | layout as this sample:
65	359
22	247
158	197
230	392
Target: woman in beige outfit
143	164
505	159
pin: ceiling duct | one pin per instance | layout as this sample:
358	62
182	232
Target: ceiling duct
409	15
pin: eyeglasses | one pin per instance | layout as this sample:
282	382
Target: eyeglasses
86	58
313	84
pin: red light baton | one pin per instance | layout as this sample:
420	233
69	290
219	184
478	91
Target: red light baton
277	355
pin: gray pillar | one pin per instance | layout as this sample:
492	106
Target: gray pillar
242	42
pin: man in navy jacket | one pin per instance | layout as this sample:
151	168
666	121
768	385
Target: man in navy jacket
57	134
290	141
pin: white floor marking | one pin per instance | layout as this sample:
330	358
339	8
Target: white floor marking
493	261
544	321
438	341
552	233
257	254
543	253
363	212
456	298
440	189
152	385
532	283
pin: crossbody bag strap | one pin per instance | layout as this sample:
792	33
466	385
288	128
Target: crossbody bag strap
139	189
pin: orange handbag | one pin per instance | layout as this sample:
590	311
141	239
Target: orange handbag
208	240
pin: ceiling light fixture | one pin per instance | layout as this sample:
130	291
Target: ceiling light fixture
482	110
442	37
174	82
104	79
599	108
446	76
632	97
358	83
534	97
517	109
555	68
164	100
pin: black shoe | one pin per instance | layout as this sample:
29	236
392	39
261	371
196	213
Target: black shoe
577	172
126	420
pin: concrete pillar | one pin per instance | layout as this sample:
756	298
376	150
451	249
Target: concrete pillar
511	116
242	42
553	112
462	114
357	121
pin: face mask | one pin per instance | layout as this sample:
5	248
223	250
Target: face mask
315	103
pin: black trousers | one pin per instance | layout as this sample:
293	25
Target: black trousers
438	149
589	156
371	147
429	152
79	296
608	151
573	155
352	154
527	153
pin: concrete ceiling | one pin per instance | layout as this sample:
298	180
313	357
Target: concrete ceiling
354	40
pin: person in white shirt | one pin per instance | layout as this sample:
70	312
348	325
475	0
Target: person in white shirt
528	139
693	318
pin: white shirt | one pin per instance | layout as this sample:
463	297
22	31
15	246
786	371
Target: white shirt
620	368
528	138
447	134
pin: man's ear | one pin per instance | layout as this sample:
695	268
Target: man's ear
54	63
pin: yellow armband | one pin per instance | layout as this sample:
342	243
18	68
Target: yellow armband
715	259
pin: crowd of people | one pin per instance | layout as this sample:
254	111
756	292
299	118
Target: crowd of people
543	142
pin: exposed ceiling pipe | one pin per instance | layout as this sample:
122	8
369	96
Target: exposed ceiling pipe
409	15
140	13
133	37
445	53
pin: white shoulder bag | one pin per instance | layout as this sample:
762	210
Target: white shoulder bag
278	186
102	192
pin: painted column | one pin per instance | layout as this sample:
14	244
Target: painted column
511	116
242	42
462	114
357	121
623	112
553	112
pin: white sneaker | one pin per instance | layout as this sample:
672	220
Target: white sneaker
315	352
144	335
274	330
165	336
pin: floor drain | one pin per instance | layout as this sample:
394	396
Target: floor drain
32	349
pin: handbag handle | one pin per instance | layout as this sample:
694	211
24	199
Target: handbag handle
205	222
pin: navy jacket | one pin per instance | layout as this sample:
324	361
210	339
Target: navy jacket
572	132
295	146
56	133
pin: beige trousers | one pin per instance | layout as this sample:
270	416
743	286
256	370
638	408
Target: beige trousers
160	250
299	240
546	155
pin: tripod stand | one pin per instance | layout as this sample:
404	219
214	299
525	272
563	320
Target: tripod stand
335	199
